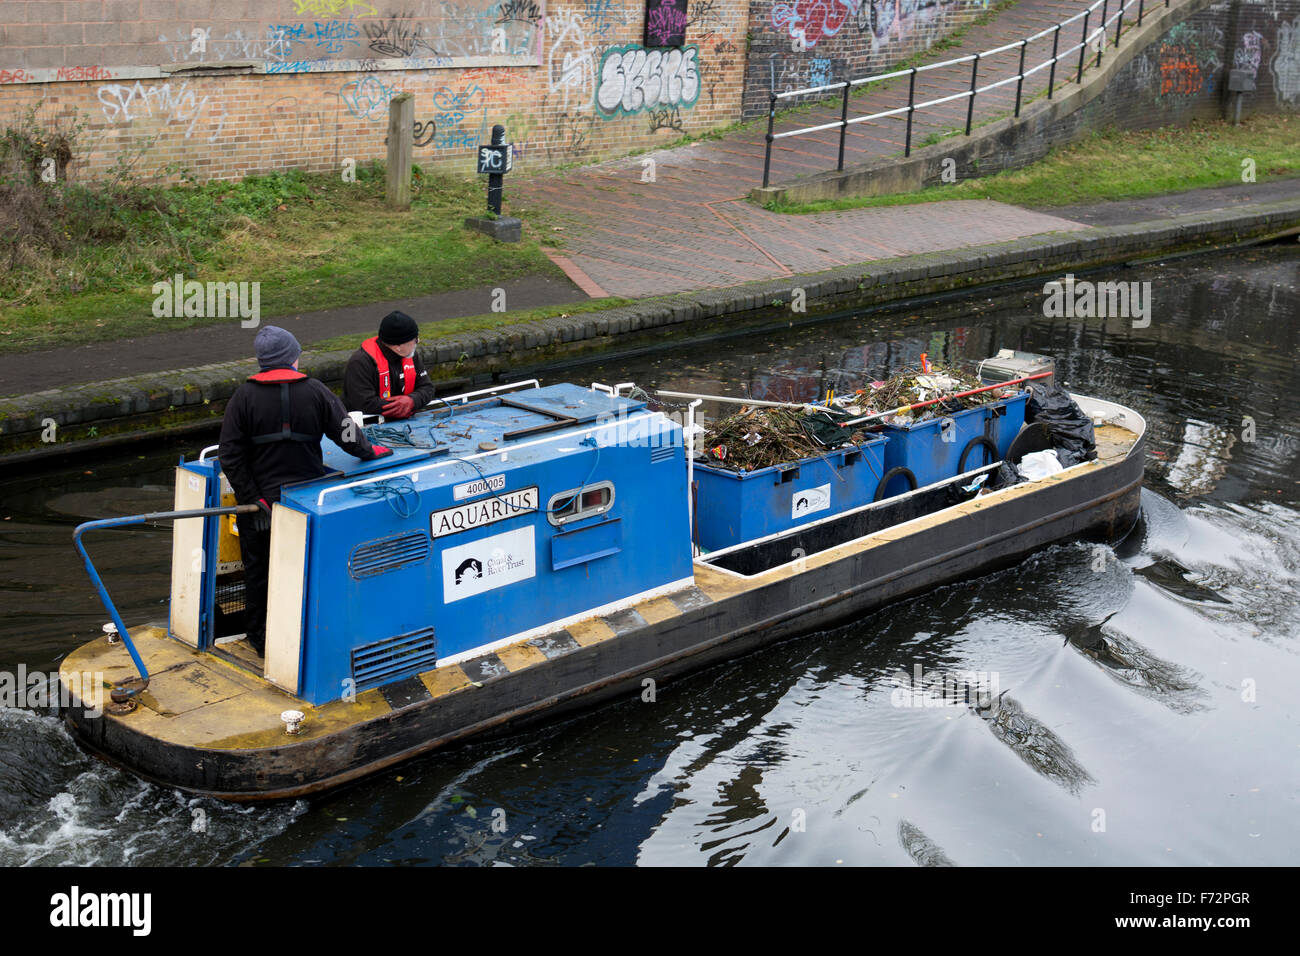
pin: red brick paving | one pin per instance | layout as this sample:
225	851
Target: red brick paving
690	228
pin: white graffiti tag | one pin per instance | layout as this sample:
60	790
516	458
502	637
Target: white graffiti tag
1286	64
570	61
125	104
633	78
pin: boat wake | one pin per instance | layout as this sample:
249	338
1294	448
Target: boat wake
62	807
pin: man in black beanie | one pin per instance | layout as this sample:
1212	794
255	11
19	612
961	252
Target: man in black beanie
270	437
385	376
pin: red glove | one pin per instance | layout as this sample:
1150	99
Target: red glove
402	406
380	451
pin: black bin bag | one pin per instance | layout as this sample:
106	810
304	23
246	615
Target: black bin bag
1072	434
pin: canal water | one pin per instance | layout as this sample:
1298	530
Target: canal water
1146	707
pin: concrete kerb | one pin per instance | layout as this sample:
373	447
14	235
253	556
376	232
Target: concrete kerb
148	404
884	177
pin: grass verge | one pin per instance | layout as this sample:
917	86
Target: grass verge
1117	164
311	241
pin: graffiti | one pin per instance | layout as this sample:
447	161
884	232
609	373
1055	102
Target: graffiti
570	140
367	97
1286	64
715	70
811	19
665	23
424	132
633	78
124	104
490	74
668	117
292	66
1248	56
333	8
83	73
233	46
570	62
453	111
1187	59
329	37
520	11
600	17
820	72
875	17
15	76
278	44
1180	74
397	37
704	14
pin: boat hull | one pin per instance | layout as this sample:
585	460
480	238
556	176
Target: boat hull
723	615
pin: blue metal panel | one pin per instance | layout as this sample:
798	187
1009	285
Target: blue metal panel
932	452
732	507
492	572
598	540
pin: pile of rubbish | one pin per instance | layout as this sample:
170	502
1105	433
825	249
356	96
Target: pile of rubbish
757	438
911	386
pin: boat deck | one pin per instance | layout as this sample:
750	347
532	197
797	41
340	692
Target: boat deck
217	702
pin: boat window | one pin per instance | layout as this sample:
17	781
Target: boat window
577	503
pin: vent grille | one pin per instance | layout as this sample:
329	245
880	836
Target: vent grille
386	554
399	656
662	453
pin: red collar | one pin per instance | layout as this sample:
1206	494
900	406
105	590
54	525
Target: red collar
272	375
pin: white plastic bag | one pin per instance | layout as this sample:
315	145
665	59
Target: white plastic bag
1039	464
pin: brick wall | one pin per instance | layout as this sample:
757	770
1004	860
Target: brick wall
802	43
221	117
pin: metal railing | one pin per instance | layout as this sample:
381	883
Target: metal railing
1096	38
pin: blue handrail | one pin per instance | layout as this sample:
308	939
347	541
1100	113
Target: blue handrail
129	520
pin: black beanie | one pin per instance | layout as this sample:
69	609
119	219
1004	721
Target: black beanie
397	327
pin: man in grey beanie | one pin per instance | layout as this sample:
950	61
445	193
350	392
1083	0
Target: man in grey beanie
270	437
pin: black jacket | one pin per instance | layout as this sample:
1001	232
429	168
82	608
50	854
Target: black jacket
361	382
258	470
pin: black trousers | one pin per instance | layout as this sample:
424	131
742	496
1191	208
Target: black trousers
255	549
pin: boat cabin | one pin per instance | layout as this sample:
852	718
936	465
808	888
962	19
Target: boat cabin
506	515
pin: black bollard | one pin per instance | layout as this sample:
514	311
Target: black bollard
494	159
496	181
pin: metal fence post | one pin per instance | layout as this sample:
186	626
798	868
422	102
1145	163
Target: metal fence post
911	111
1083	45
1119	22
1020	83
844	124
1140	4
1051	74
767	156
1102	45
970	105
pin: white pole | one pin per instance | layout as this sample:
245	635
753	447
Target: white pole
690	470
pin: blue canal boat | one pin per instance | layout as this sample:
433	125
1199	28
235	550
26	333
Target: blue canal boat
529	551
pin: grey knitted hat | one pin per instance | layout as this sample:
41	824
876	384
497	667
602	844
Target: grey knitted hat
275	347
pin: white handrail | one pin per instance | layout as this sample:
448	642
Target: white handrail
204	454
464	397
1018	77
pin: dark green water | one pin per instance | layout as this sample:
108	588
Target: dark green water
1149	714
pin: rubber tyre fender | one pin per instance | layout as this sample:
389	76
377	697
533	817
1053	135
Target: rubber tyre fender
890	476
979	441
